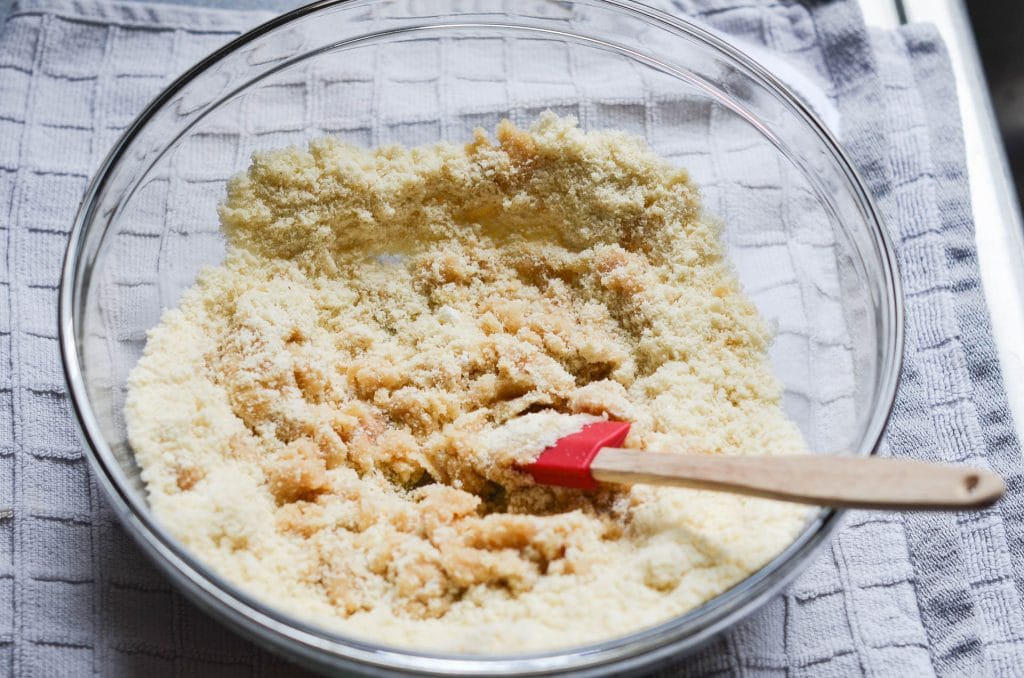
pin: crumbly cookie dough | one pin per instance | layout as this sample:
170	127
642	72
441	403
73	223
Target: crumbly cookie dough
331	418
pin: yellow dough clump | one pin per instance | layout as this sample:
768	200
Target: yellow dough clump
332	417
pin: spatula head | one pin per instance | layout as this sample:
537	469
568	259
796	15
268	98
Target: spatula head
567	462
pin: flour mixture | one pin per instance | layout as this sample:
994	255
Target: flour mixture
330	419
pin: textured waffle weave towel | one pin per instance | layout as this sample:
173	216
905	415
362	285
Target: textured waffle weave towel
894	595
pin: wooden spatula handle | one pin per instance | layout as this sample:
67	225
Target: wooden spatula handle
823	480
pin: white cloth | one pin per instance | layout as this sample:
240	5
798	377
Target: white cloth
893	595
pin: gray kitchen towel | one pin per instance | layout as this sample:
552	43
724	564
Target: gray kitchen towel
900	595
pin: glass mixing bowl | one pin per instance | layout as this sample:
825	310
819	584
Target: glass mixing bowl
799	227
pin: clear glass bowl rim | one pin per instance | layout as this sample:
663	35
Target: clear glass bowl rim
317	647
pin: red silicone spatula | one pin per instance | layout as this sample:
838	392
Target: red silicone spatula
584	459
